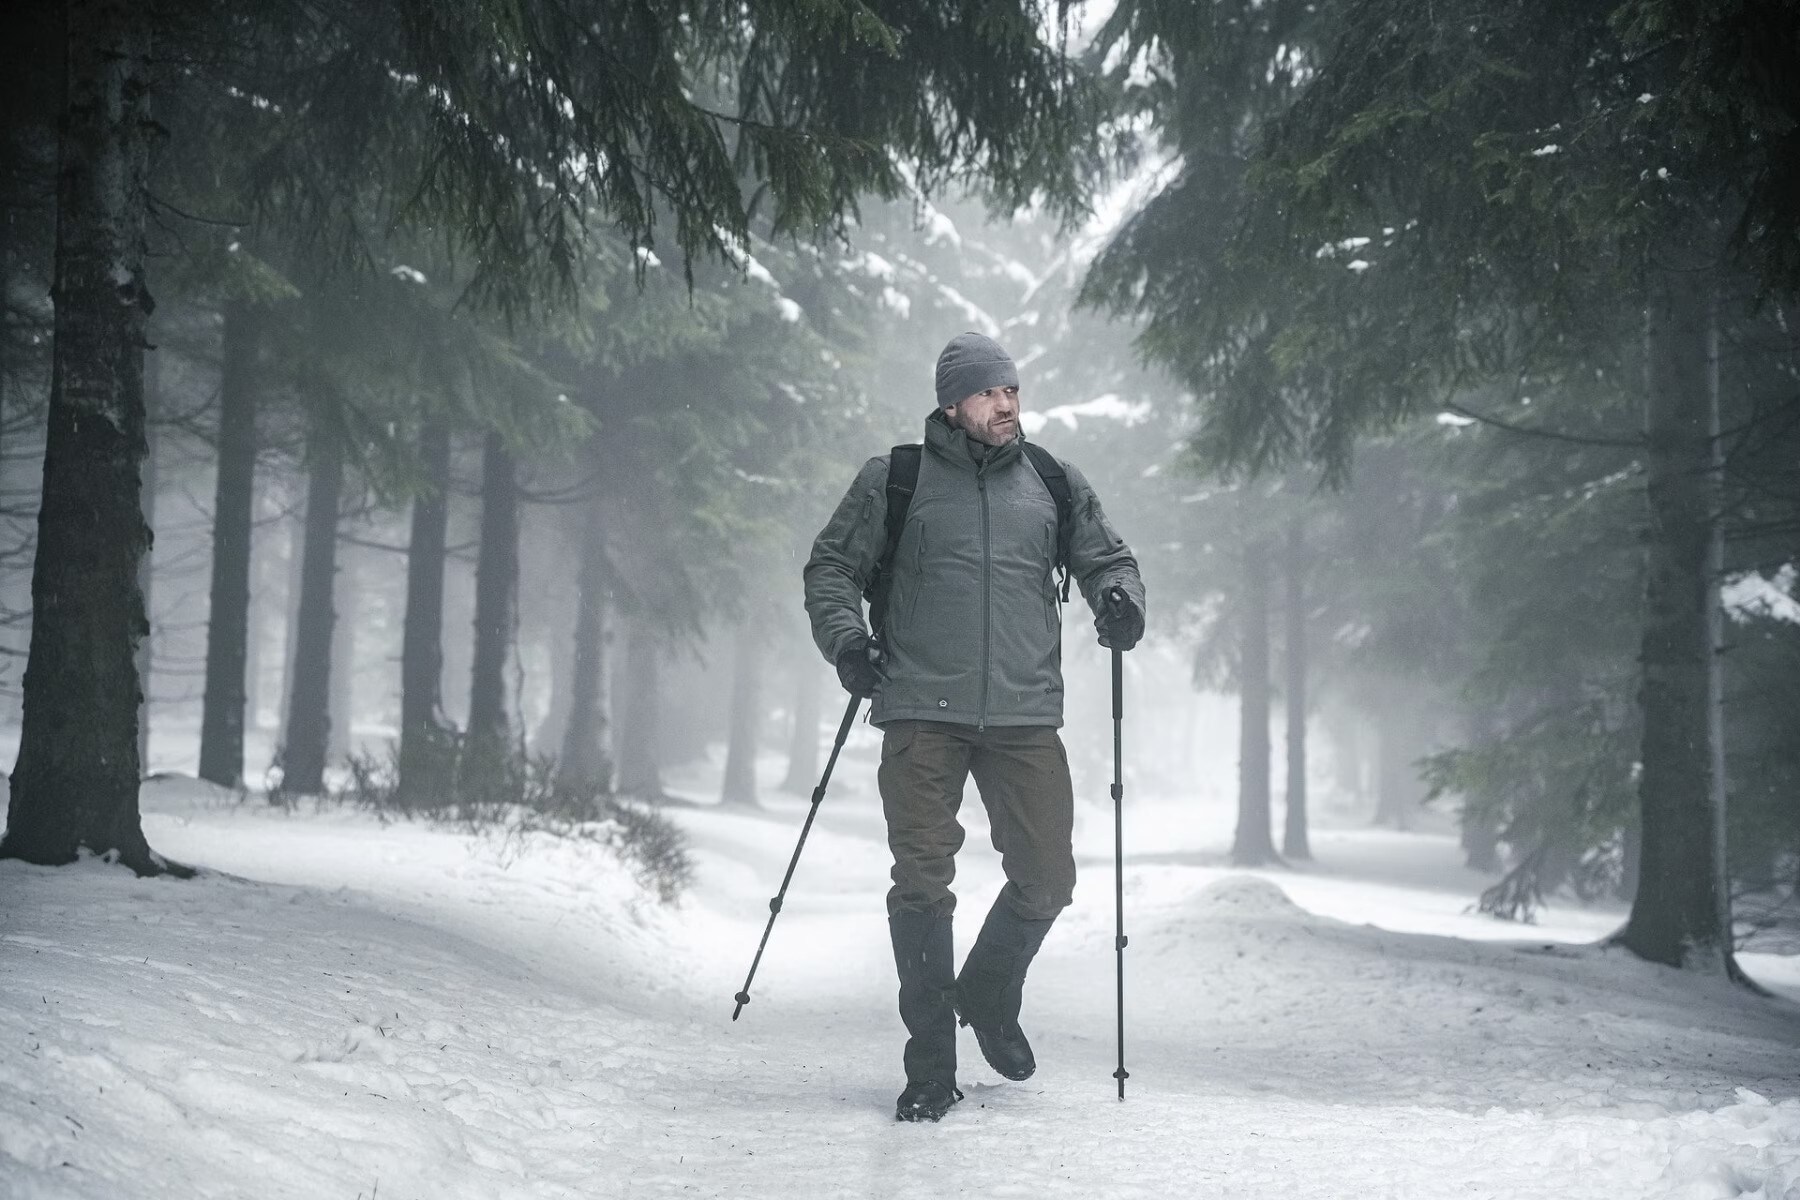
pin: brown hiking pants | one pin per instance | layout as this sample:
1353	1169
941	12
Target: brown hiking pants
1022	773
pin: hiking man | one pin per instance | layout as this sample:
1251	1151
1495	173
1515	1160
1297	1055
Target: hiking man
968	680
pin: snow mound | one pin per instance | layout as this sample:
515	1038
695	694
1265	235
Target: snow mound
1246	896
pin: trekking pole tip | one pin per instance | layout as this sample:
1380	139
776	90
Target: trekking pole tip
742	999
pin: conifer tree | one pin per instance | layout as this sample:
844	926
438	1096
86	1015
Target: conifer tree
502	124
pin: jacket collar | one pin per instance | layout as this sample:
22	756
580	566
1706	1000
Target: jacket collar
953	446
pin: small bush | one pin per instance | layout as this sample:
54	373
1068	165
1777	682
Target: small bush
518	794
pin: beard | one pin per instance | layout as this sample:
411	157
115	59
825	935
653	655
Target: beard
995	431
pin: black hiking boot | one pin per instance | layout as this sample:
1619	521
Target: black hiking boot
990	990
927	1100
925	958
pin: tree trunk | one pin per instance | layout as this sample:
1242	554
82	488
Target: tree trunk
637	710
423	768
584	759
551	732
234	499
290	609
1394	782
1681	915
338	743
746	716
1253	845
496	586
309	691
75	785
147	505
803	746
1294	841
1480	844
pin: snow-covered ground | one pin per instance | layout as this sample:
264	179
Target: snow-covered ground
346	1008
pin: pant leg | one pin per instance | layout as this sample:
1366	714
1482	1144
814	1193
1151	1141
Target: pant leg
923	767
1023	775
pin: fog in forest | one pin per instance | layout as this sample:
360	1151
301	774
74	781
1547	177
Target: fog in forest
416	422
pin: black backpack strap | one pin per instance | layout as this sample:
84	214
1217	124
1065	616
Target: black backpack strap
1057	480
902	481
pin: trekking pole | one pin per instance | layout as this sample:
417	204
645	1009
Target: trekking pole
1116	596
843	732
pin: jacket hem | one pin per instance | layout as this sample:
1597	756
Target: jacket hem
880	714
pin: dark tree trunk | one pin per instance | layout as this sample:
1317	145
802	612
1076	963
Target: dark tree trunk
746	716
1681	914
496	586
584	759
290	609
637	710
256	627
147	505
1629	866
234	499
1253	845
75	785
1294	840
1480	844
803	745
309	691
422	744
348	600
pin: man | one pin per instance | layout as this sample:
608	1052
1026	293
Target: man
969	681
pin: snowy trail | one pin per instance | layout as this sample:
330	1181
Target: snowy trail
401	1012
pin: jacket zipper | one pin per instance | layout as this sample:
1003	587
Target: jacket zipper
987	550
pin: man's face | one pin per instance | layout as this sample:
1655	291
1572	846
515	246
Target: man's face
991	416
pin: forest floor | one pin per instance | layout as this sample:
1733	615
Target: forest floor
345	1008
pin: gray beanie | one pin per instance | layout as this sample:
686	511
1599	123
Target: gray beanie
972	363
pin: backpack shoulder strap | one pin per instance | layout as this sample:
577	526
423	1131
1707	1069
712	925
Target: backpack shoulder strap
902	481
1057	480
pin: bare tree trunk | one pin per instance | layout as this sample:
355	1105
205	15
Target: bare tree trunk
1294	841
343	656
234	501
496	585
295	528
1681	914
803	746
1394	779
309	692
637	711
746	716
423	768
1253	844
75	785
147	505
1631	854
584	758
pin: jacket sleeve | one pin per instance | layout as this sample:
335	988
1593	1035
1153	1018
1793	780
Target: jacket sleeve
1099	559
844	556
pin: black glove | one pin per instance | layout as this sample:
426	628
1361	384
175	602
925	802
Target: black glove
856	668
1121	623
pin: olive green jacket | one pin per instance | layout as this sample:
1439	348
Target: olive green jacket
974	629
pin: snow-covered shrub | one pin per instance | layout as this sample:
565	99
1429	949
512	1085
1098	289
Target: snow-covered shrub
516	795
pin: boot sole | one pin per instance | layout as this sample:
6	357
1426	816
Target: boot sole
925	1114
1011	1073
